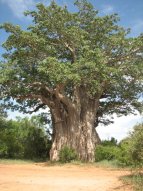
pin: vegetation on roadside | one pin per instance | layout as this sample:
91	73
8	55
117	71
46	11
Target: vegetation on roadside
107	150
24	139
129	152
28	139
135	179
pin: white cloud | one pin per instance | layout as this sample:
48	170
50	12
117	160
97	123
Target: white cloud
120	128
19	6
107	9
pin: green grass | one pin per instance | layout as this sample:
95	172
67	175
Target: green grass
48	162
105	164
58	163
108	164
136	180
15	161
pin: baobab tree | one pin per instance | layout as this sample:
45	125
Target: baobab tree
81	66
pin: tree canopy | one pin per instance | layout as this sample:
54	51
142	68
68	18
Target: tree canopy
41	58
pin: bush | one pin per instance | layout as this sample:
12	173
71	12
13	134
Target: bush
24	138
106	153
136	145
67	155
3	149
124	157
132	148
111	142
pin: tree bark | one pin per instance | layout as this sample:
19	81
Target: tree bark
74	127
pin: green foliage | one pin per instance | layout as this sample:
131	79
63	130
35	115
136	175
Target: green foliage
67	154
3	148
23	138
129	152
107	150
106	153
124	157
132	147
132	154
2	112
136	145
111	142
63	50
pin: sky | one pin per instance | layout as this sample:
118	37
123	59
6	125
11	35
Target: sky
131	16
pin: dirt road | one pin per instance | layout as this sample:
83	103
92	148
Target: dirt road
41	177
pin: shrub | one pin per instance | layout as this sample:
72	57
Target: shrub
129	152
24	138
136	145
67	155
106	153
124	158
3	149
111	142
132	148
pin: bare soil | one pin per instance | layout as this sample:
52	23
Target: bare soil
43	177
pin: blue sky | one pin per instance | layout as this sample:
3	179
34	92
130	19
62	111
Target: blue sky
130	12
131	15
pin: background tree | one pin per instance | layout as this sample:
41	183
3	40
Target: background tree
129	152
3	113
3	146
134	146
81	66
37	143
24	138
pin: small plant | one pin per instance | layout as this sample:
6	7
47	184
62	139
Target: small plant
67	155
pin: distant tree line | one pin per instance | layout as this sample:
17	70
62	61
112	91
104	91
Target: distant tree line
24	138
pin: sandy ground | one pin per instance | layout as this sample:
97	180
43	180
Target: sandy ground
42	177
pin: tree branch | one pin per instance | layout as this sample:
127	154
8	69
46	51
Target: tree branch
61	96
42	98
37	108
39	84
72	50
29	96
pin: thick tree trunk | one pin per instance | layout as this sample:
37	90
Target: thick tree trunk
75	129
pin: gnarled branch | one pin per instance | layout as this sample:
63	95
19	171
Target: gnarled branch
37	108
